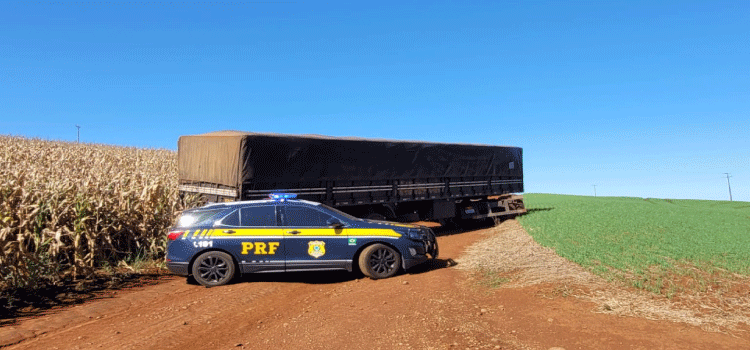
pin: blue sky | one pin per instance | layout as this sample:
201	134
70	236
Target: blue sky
640	98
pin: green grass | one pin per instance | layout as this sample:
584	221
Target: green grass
644	241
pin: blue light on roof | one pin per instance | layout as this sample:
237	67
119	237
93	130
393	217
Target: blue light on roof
282	196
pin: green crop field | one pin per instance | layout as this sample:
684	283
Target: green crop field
660	245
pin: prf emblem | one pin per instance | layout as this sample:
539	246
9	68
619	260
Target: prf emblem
260	248
316	249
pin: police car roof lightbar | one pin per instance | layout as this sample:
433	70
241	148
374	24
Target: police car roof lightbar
282	196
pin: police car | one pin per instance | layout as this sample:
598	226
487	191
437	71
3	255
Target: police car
215	242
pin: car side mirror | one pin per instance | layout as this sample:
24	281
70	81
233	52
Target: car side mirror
335	223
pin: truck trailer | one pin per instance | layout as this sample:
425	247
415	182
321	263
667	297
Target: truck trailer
370	178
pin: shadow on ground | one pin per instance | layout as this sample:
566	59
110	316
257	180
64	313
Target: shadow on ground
25	302
458	227
332	277
310	277
431	265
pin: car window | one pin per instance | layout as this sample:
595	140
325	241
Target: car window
196	217
232	219
258	216
340	213
304	217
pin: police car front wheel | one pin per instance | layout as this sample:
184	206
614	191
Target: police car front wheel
379	261
213	269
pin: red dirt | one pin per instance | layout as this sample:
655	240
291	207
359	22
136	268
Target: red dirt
433	307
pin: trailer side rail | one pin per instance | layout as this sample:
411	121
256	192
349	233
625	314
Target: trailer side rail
395	191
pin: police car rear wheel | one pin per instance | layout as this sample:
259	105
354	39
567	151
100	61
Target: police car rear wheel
213	269
379	261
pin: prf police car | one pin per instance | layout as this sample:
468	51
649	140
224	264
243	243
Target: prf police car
215	242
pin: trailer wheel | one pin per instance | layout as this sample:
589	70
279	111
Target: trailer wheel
379	261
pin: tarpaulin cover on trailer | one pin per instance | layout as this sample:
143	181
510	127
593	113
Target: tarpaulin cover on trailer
231	157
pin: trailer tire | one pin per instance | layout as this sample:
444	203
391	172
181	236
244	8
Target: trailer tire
379	261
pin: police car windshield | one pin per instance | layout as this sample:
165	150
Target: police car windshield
340	213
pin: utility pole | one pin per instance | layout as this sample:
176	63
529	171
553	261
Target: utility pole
730	186
78	140
594	190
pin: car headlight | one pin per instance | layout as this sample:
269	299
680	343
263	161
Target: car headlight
415	234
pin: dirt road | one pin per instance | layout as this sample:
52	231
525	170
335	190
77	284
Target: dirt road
435	306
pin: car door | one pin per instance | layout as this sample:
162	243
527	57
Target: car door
253	236
309	243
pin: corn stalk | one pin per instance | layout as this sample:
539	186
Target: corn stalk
68	208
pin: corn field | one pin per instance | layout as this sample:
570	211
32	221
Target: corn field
67	209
